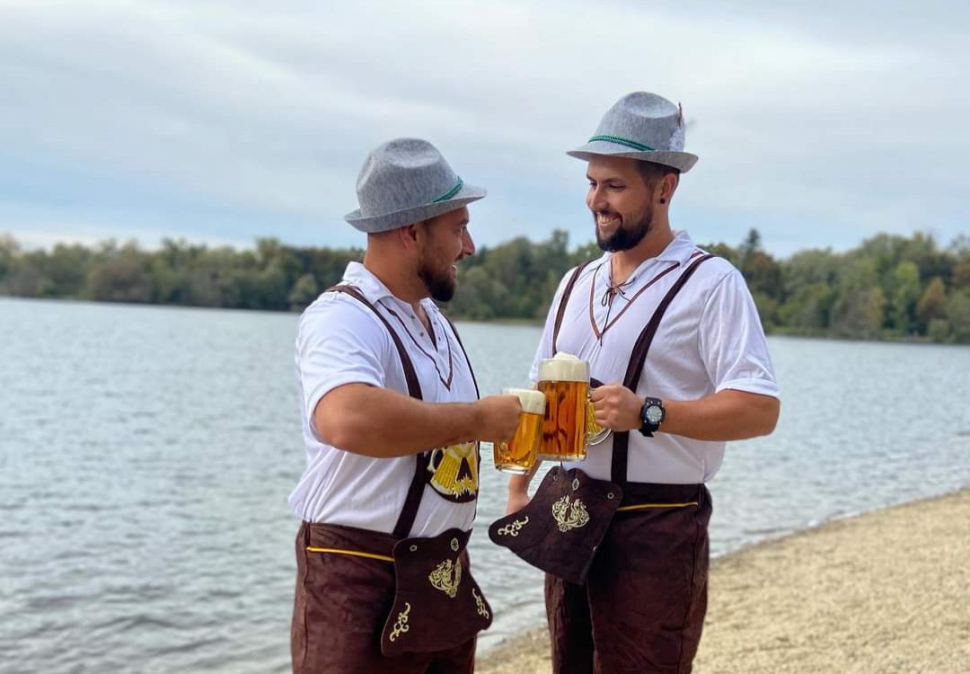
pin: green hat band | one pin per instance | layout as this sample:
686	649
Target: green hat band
450	193
624	141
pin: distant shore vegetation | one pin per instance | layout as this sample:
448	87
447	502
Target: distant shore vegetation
889	287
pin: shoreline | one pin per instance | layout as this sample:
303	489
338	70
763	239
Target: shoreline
887	590
506	321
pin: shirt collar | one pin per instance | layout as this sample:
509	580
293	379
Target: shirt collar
374	289
679	250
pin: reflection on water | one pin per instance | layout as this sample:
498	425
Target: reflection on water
146	454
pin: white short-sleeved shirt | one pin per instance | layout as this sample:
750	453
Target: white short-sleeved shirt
710	339
340	341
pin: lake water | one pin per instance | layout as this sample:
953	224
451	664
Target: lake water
146	454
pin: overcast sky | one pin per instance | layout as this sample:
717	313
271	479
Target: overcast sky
219	122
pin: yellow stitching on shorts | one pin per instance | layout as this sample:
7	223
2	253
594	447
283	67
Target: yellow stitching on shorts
354	553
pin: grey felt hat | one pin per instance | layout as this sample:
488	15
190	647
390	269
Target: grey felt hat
404	181
641	126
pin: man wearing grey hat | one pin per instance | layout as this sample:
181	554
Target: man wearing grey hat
676	332
391	424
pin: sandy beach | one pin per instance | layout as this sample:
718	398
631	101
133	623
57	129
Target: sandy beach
887	591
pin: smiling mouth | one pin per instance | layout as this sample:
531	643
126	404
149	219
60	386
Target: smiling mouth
607	220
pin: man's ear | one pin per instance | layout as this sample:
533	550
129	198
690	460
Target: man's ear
669	186
409	235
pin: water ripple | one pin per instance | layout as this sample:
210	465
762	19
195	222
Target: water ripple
158	539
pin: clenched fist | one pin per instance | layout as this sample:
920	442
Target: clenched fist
498	417
616	407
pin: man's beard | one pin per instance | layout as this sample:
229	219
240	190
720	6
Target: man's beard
625	238
440	285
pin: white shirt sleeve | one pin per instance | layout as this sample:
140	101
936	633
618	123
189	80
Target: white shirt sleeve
732	342
339	343
544	350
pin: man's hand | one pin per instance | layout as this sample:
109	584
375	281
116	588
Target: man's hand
616	407
498	417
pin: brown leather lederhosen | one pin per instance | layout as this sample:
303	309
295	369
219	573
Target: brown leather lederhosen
368	601
628	591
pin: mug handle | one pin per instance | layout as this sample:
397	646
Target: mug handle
595	434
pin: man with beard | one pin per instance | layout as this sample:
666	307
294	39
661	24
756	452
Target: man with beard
391	423
677	334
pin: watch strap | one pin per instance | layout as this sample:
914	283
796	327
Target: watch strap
647	427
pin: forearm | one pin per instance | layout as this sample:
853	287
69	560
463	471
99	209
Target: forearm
727	415
381	423
519	484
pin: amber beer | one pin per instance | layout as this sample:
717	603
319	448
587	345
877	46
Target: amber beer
521	454
564	380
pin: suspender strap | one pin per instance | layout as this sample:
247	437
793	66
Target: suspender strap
454	331
414	388
412	502
413	499
478	394
567	291
621	441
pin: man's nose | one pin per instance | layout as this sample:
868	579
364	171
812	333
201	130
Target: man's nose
467	245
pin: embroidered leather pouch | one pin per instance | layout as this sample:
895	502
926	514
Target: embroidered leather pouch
437	603
563	525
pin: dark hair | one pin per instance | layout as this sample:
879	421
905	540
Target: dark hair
651	172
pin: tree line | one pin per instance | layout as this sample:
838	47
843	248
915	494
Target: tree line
889	287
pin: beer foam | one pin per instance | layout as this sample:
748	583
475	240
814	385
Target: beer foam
564	367
533	402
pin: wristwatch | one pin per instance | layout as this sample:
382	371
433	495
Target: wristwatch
652	414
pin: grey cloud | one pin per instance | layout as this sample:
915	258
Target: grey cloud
855	116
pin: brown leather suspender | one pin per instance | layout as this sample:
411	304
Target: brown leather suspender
567	291
638	356
621	441
416	490
413	500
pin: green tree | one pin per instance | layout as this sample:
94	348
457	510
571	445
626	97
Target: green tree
120	276
889	285
750	245
939	330
24	279
958	315
304	292
859	308
961	272
905	294
809	308
66	270
9	251
479	295
932	304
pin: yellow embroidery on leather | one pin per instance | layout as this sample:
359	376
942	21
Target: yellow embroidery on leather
512	528
401	624
455	469
446	577
569	515
480	605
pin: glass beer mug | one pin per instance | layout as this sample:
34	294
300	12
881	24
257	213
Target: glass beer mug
595	433
519	455
568	425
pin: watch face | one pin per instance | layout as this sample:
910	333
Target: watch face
654	414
